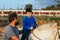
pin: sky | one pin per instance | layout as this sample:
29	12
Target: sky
37	4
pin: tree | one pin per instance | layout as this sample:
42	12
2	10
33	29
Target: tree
28	6
52	7
58	5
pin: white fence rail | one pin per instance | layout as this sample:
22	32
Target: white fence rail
35	12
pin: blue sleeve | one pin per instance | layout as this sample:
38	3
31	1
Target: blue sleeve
35	24
25	24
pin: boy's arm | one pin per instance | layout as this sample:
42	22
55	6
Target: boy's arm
25	24
35	24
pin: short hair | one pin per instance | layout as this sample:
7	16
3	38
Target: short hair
12	16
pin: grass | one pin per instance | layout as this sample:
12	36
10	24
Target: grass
40	20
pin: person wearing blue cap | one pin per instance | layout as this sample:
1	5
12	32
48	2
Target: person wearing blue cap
29	23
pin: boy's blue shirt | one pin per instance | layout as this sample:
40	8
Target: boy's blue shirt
28	22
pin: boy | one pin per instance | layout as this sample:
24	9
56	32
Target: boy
29	24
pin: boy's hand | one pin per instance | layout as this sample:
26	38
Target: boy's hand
31	28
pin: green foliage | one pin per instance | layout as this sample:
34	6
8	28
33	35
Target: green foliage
52	7
28	6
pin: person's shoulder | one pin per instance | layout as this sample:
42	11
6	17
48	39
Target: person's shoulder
33	17
25	17
7	27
